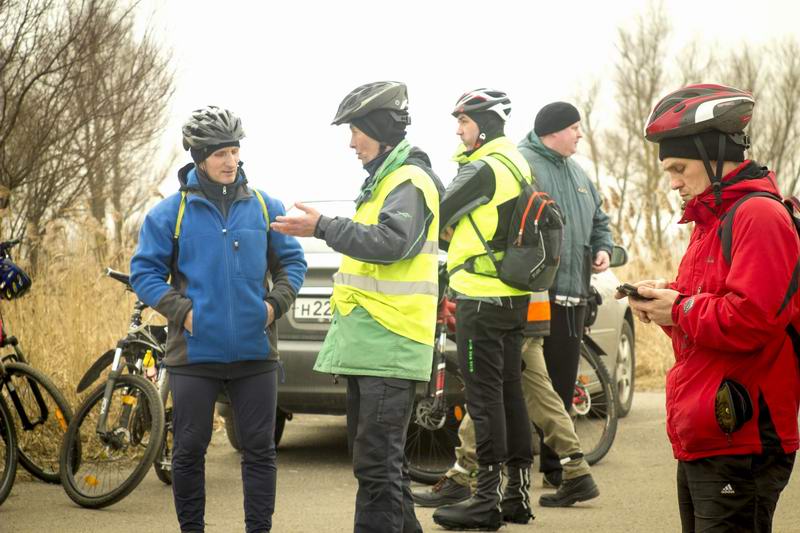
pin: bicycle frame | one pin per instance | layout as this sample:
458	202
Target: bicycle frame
27	422
139	334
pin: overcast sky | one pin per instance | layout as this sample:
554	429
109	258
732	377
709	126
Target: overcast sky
285	66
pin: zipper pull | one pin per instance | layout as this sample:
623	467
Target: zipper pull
224	190
236	245
224	231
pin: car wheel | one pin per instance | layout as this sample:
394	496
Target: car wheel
626	369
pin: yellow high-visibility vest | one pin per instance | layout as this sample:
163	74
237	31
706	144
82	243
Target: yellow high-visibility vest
465	243
401	296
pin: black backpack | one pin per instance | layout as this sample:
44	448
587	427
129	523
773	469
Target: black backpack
792	205
533	244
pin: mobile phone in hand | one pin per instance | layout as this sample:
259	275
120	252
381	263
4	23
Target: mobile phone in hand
631	292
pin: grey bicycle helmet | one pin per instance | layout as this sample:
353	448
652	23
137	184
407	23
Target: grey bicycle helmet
211	126
389	95
484	100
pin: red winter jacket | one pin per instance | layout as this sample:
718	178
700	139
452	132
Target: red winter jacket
731	323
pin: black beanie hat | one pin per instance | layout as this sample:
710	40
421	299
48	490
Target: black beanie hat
685	147
201	154
489	124
382	126
555	117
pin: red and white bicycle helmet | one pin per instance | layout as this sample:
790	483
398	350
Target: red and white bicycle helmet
703	113
698	108
484	100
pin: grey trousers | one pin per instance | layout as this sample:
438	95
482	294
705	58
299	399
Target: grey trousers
378	413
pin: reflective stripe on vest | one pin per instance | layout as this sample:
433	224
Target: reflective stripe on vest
386	286
466	244
401	296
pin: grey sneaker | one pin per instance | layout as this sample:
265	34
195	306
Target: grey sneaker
446	491
579	489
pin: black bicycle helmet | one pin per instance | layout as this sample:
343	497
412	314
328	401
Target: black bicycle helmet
14	282
484	100
211	126
389	95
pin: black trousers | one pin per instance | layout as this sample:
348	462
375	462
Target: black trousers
731	492
562	351
378	413
489	340
253	400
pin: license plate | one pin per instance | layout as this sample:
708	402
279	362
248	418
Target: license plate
318	309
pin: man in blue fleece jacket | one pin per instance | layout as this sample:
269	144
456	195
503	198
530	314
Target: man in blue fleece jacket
211	240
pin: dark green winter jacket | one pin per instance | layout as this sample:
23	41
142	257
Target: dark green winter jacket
586	230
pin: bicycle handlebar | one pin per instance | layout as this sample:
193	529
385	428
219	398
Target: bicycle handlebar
125	279
6	246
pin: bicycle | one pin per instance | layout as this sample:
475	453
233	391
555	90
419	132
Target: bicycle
121	425
40	413
433	431
8	451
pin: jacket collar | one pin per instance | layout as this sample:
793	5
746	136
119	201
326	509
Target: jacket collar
495	145
187	176
534	142
747	178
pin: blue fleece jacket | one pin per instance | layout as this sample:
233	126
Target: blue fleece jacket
222	269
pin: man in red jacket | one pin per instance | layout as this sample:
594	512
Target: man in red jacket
734	391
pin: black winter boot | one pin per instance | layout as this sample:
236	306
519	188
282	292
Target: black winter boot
516	500
482	510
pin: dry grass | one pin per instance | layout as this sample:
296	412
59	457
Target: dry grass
72	314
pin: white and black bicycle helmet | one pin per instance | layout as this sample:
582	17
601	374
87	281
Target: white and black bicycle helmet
389	95
484	99
211	126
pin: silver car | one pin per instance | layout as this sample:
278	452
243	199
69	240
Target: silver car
303	328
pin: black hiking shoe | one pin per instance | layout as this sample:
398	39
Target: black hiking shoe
444	492
580	489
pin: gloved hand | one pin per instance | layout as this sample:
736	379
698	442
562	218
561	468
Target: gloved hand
447	315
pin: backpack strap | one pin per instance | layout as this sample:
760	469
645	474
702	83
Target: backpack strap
511	168
263	206
726	227
505	161
179	221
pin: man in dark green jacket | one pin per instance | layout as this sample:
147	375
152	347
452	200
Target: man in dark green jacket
549	148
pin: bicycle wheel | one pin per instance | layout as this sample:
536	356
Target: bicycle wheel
8	452
111	465
430	452
41	415
163	463
594	407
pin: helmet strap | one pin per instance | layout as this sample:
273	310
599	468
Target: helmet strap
716	177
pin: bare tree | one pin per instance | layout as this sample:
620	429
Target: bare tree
82	96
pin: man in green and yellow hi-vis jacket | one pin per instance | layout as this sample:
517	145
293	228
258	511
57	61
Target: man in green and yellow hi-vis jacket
384	299
490	315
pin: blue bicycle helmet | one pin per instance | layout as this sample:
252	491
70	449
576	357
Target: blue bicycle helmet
14	282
